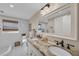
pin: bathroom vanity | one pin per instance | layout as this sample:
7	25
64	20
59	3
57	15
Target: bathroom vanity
36	48
33	50
42	48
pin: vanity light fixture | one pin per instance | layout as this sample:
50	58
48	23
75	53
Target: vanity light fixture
47	5
45	9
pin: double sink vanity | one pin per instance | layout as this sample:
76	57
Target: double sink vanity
38	47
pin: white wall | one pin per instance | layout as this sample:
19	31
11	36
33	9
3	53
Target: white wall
9	38
35	20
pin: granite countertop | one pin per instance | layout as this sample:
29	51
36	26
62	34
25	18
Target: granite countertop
41	46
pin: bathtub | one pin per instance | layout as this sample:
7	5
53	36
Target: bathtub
5	50
14	51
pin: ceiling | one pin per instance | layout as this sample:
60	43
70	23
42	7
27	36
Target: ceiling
20	10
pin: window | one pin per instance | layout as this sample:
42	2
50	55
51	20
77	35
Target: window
10	25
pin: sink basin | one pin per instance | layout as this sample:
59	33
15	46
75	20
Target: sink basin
54	50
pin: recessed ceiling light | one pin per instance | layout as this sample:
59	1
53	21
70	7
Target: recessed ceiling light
11	6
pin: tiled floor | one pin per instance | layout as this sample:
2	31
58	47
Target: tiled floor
18	51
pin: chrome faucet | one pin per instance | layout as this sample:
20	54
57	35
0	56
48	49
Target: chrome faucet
58	43
62	43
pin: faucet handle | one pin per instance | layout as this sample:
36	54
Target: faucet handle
57	42
68	46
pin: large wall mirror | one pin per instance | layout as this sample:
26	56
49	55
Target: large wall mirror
62	22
